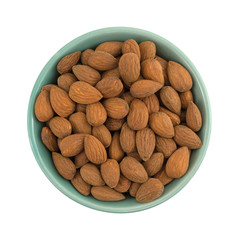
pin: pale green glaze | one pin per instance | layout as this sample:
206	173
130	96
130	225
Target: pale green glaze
49	74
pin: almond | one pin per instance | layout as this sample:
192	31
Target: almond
123	184
127	138
163	177
154	164
152	103
96	114
144	88
133	170
80	159
72	145
110	87
193	117
151	69
179	77
66	63
114	124
116	108
61	103
184	136
161	124
105	193
103	135
49	140
137	118
173	116
178	162
94	149
91	175
171	99
60	127
85	55
84	93
166	146
66	80
147	50
81	108
110	171
134	188
164	64
183	116
145	142
131	46
86	74
102	61
129	68
127	96
64	166
135	155
48	87
149	191
115	150
79	123
185	98
114	48
83	187
111	73
43	108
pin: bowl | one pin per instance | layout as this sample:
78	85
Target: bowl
49	74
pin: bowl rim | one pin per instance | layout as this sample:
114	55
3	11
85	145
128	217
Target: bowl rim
30	111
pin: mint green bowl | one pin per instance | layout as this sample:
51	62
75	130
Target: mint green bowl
49	74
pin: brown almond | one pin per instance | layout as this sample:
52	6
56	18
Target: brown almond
114	48
185	98
81	108
80	159
127	96
173	116
78	182
127	138
152	103
111	73
60	127
193	117
49	140
134	188
135	155
64	166
164	64
166	146
103	135
147	50
115	150
66	80
79	123
163	177
131	46
48	87
85	55
96	114
154	164
183	116
114	124
123	184
105	193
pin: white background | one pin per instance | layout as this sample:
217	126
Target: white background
207	31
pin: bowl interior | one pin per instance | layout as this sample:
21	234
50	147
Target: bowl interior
49	75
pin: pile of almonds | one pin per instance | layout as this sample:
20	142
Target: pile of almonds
120	120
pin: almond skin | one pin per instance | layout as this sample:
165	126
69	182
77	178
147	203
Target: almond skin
91	175
78	182
49	140
43	108
110	171
193	117
127	138
134	188
178	162
96	114
47	87
131	46
111	73
86	74
79	123
135	155
110	87
149	191
94	149
179	77
133	170
127	96
80	159
154	164
152	103
144	88
85	55
66	80
171	99
129	68
184	136
147	50
161	124
114	48
61	103
102	61
105	193
66	63
163	177
103	135
185	98
115	150
137	118
72	145
81	107
123	184
114	124
145	142
60	127
84	93
164	64
173	116
151	69
116	108
64	166
166	146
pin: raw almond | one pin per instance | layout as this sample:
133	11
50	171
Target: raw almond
161	124
43	108
185	136
147	50
103	135
164	64
81	107
137	118
179	77
60	127
166	146
134	188
49	140
85	55
123	184
127	96
135	155
173	116
193	117
66	80
91	175
152	103
127	138
144	88
115	150
163	177
79	123
154	164
183	116
96	114
64	166
47	87
185	98
105	193
145	142
114	124
131	46
114	48
149	191
133	170
111	73
83	187
178	162
94	149
102	61
66	63
84	93
80	159
110	171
